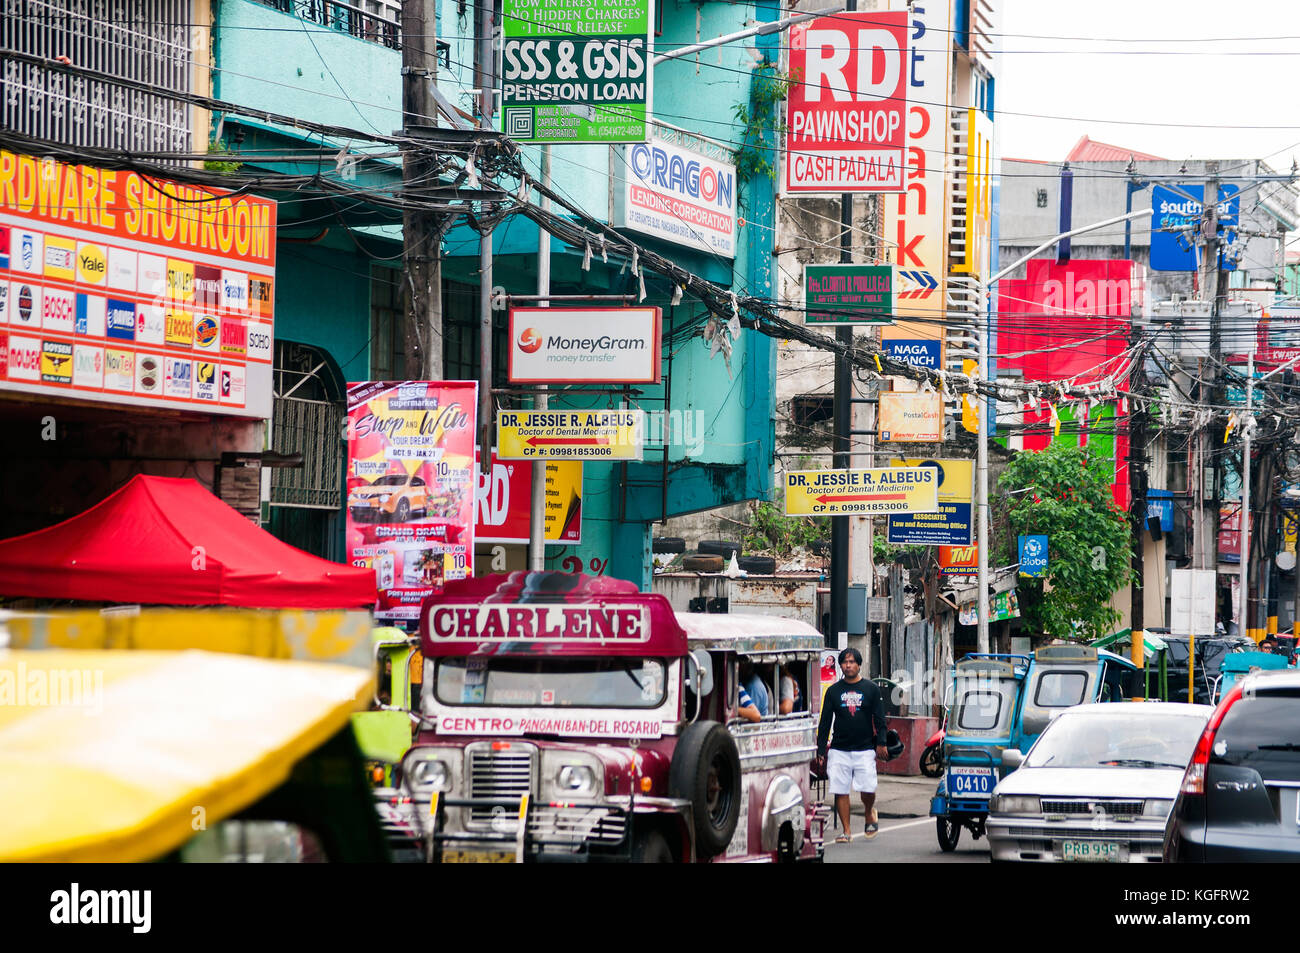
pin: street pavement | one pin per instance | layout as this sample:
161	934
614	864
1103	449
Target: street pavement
907	832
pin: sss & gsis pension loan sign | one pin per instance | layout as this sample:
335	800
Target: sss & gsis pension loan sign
846	125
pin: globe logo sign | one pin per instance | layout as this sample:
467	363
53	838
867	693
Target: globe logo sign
530	341
1033	555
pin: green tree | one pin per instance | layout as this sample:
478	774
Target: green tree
1065	494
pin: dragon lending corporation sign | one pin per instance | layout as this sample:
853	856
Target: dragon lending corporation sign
679	195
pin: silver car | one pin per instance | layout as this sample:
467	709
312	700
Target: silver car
1097	786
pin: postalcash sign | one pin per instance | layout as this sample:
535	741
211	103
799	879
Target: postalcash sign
532	623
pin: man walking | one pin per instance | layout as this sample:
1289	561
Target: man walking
856	709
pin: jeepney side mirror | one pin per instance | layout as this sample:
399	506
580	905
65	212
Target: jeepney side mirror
699	667
1012	758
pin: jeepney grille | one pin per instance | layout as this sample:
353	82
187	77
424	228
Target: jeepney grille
499	775
1114	808
577	824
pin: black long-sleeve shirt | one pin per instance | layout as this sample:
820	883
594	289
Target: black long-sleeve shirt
858	712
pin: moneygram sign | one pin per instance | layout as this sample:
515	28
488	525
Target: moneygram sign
575	71
846	127
680	196
585	345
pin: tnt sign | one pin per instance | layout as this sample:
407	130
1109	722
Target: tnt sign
846	126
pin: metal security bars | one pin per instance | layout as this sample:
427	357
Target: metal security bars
374	20
148	41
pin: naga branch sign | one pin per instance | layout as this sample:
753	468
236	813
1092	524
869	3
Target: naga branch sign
862	492
846	127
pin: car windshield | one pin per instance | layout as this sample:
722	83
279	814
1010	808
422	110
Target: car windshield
1140	738
551	682
390	481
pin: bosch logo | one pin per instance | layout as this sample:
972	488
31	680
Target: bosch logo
530	341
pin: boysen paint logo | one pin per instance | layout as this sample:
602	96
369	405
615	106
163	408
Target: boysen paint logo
56	362
530	341
206	333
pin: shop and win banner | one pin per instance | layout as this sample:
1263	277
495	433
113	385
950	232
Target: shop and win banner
120	290
575	71
411	487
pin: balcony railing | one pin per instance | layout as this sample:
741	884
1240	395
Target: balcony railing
376	21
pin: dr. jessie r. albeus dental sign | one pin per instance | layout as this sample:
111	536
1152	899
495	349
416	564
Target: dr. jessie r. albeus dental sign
846	128
862	492
122	290
576	70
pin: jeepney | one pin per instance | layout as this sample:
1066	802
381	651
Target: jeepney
568	717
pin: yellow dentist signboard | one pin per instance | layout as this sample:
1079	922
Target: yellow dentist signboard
569	435
862	492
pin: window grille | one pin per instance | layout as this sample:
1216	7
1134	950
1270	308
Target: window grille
378	21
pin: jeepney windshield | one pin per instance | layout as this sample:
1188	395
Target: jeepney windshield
551	682
982	705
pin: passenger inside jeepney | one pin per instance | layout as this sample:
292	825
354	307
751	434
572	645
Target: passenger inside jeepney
754	698
791	695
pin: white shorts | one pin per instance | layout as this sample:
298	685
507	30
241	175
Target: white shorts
851	769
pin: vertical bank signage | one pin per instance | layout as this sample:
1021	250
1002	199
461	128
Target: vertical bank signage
845	120
576	71
584	345
680	196
111	289
915	220
411	487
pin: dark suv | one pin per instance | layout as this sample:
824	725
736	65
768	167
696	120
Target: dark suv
1240	797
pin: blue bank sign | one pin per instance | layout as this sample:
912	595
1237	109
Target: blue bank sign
1033	556
1175	250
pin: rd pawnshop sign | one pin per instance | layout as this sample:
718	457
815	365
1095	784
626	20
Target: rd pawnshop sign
846	127
576	71
862	492
570	434
585	345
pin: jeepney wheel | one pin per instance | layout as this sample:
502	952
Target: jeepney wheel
651	848
949	832
706	771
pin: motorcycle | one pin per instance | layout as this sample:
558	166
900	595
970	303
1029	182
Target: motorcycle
932	755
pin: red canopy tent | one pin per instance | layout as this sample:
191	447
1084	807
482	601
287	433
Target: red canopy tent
164	541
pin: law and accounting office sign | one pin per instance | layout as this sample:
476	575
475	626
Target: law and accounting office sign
576	71
846	124
1174	250
679	195
951	523
585	345
861	492
123	291
848	294
1033	555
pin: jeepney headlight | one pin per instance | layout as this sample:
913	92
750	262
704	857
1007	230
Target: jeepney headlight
434	772
1157	807
576	779
1015	804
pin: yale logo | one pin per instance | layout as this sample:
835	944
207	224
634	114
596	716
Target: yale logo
92	264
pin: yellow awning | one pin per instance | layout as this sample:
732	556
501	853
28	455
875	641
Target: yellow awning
124	756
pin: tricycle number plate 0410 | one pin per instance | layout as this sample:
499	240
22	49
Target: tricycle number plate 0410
970	782
1091	851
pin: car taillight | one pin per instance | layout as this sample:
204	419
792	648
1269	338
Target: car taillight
1194	778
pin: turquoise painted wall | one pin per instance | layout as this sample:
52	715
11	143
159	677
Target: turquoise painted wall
283	64
323	298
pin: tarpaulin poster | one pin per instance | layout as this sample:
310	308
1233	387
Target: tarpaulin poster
411	484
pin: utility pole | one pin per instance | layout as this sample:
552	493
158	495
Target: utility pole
537	521
842	408
421	231
1138	483
485	77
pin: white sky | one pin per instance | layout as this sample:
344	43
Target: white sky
1171	75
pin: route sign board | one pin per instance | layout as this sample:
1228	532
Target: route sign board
862	492
570	434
